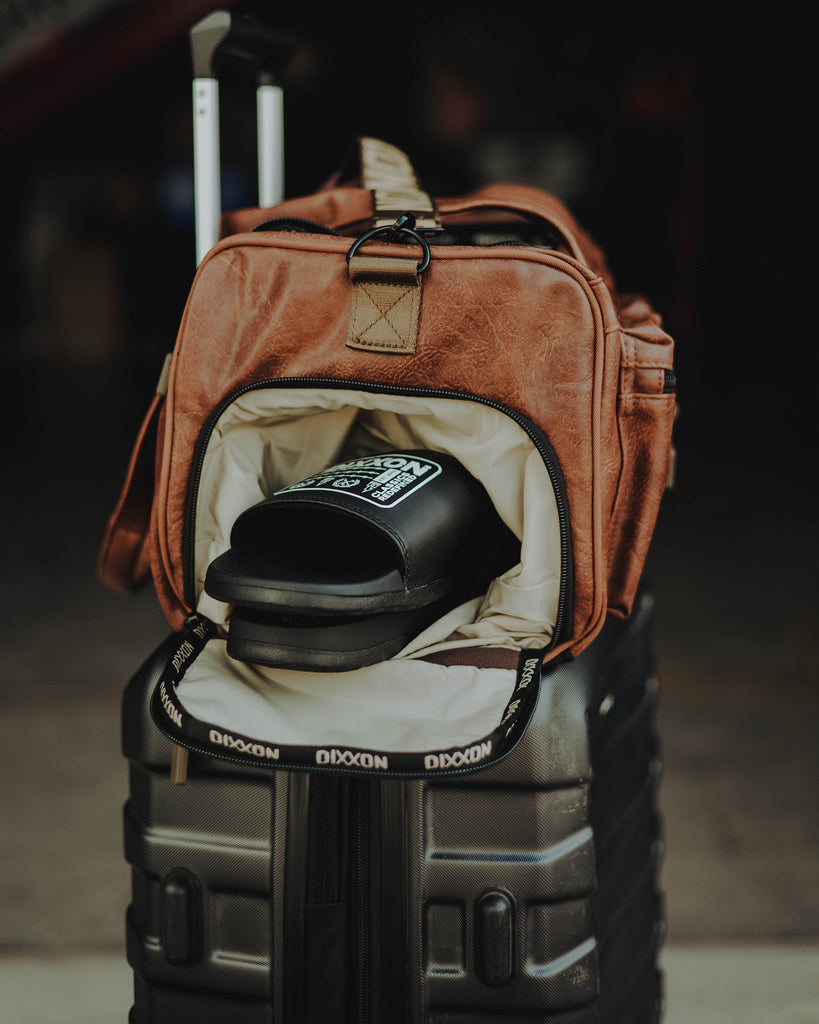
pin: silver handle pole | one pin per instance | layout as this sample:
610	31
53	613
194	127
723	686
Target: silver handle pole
206	164
206	36
270	134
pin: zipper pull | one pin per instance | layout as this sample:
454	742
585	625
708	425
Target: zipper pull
179	765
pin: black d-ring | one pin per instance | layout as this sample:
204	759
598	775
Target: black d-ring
405	225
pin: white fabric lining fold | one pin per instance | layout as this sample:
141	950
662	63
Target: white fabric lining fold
415	706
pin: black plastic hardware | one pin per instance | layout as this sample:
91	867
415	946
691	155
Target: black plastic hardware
404	225
257	46
495	939
241	39
180	911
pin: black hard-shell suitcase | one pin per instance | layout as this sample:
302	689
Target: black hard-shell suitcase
524	893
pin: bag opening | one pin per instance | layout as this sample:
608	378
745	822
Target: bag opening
270	438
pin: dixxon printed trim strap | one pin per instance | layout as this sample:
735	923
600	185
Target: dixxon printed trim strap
220	740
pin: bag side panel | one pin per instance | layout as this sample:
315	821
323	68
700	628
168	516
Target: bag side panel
645	419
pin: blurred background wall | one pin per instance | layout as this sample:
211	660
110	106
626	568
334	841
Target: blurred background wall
662	125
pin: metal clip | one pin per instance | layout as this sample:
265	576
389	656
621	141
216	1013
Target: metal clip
404	225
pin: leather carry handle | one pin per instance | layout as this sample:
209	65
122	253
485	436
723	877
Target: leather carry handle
388	173
123	562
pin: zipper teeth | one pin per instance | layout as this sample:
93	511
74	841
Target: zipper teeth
329	832
326	830
534	433
362	902
309	226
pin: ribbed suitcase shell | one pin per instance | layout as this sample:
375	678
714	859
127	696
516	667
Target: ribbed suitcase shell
521	894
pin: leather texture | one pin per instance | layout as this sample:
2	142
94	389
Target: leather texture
543	332
123	562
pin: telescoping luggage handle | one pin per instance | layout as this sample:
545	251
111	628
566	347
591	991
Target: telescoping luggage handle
215	39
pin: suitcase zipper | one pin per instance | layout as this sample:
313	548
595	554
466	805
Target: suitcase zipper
324	836
343	819
326	902
537	436
361	901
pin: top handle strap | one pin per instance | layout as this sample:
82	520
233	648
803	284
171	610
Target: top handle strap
387	172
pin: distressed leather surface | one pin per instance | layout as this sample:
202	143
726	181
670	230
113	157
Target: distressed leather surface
541	332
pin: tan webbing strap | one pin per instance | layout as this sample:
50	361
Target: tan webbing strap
388	173
387	290
386	301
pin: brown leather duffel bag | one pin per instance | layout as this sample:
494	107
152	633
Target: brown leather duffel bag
367	317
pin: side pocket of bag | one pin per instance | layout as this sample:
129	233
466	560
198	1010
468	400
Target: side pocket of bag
646	407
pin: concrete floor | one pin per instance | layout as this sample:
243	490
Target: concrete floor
734	578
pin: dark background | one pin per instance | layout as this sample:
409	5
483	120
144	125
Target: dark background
664	126
671	129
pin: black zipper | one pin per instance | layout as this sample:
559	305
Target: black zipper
538	437
327	900
340	870
297	224
295	895
540	234
362	918
669	382
324	839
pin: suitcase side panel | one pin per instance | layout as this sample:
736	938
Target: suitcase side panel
205	934
532	884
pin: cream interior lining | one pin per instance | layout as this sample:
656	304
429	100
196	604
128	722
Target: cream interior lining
271	438
416	706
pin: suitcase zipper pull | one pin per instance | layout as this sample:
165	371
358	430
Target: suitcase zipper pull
179	765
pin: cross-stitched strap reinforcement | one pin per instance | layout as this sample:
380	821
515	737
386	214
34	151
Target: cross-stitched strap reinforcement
386	303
